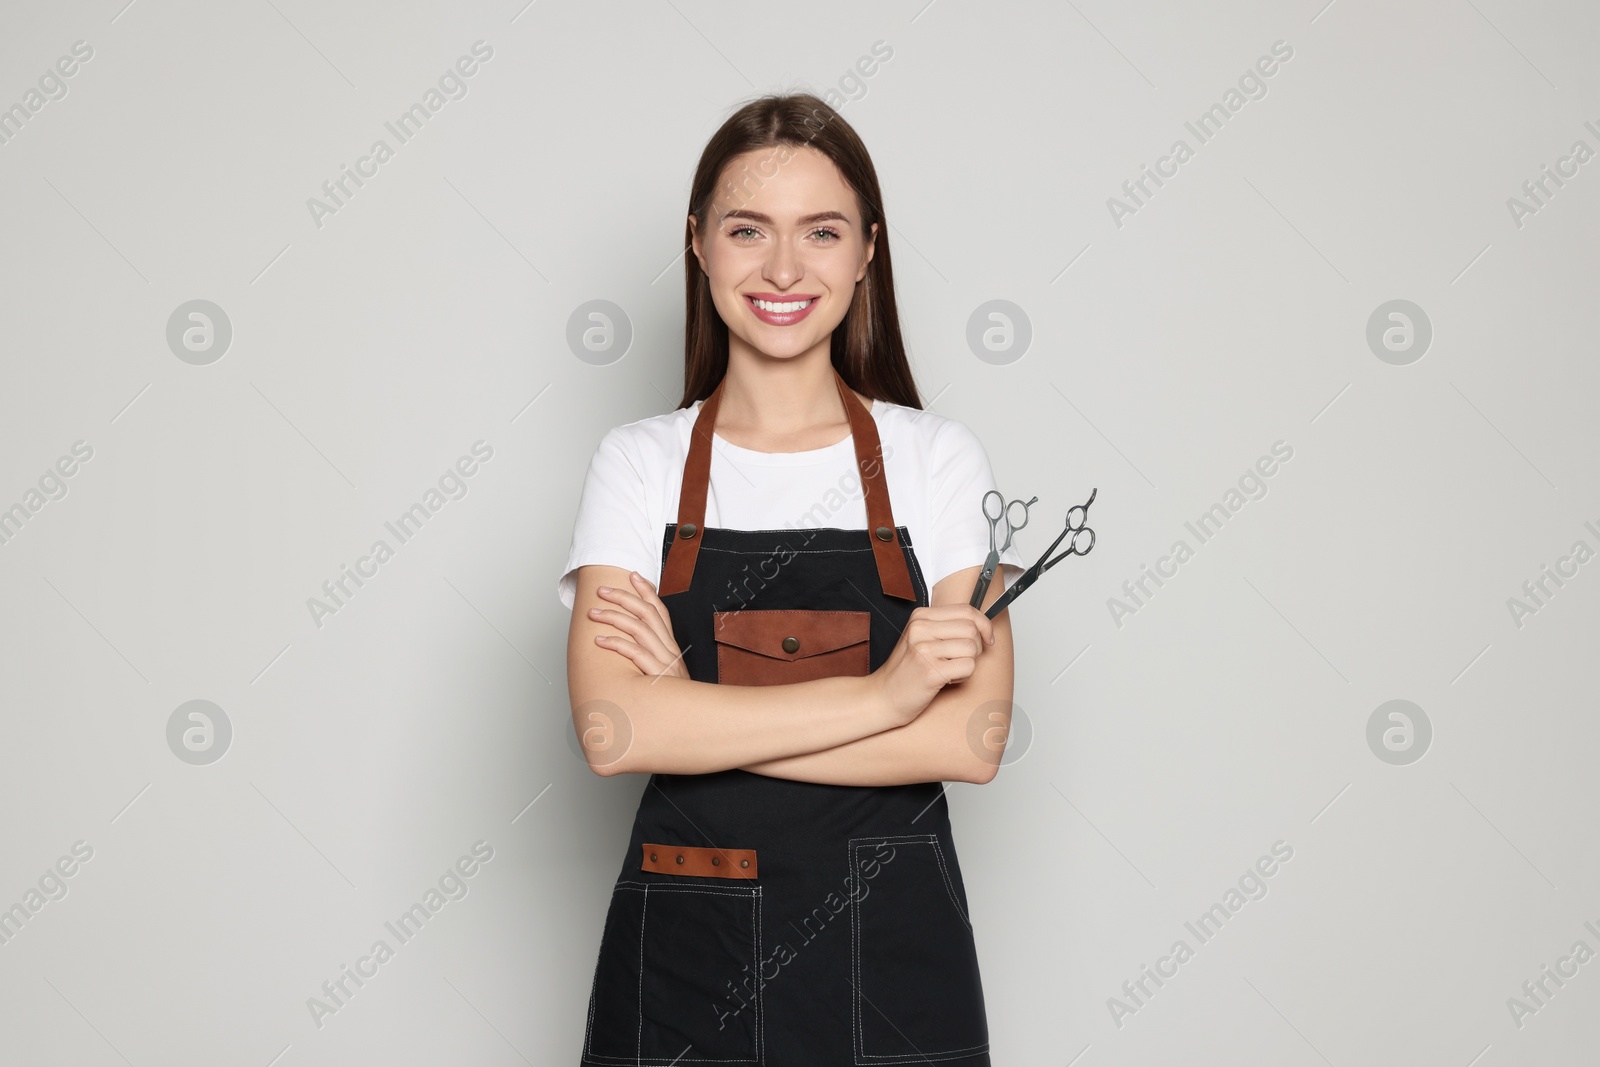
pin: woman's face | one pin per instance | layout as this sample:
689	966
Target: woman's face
783	249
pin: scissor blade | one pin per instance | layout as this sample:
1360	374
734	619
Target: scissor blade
1005	600
981	588
1029	576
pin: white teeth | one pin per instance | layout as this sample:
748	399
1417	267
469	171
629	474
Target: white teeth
788	305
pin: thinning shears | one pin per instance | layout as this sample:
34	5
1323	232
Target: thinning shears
993	561
1031	575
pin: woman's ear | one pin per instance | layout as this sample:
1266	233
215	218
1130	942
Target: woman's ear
696	244
872	246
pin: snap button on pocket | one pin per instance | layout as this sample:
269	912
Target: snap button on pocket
791	644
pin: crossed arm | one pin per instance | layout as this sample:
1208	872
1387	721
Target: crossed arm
832	730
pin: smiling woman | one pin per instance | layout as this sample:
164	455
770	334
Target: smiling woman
798	696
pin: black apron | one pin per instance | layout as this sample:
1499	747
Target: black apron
763	921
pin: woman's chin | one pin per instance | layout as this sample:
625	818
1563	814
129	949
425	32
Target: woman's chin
778	349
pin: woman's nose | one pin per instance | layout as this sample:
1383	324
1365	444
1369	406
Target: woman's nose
783	267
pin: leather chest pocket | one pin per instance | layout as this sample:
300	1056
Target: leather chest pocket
778	647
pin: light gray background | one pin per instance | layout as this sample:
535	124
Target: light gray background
1168	752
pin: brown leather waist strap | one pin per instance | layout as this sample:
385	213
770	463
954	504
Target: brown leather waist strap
893	574
704	862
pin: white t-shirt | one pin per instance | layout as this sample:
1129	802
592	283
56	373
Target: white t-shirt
936	467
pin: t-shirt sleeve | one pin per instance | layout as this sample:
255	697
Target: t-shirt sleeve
613	521
960	476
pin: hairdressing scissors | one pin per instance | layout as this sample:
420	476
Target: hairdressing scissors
1031	575
982	588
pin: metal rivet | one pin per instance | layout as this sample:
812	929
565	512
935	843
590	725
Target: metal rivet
716	861
680	859
744	863
791	644
885	534
652	857
687	530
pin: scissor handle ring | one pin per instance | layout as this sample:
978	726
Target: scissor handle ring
1072	543
995	519
1015	526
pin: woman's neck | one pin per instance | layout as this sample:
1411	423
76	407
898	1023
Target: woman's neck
782	405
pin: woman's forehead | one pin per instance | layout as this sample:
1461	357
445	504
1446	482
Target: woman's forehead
783	183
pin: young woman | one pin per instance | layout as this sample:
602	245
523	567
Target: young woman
753	627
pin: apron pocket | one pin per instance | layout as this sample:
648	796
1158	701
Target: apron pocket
918	995
776	647
668	988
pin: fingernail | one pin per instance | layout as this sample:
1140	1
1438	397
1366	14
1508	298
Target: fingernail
604	589
594	611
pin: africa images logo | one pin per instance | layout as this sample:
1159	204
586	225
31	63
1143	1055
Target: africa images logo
452	85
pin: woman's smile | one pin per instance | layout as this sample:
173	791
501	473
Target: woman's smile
776	309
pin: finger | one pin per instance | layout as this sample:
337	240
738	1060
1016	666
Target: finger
646	663
639	629
636	606
939	629
642	609
647	591
958	658
626	621
951	661
942	611
946	613
945	658
965	646
984	624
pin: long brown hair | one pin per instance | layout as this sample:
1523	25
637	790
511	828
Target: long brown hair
866	347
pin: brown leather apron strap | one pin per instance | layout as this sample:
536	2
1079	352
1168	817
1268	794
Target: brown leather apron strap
893	574
685	548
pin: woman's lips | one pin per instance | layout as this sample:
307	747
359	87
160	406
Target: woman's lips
787	317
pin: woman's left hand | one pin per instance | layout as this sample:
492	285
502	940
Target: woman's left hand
643	617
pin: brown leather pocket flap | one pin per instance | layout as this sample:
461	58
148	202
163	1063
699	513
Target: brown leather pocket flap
698	861
792	635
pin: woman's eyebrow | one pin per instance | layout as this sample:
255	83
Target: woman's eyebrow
756	216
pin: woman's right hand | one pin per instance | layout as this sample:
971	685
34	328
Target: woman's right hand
940	645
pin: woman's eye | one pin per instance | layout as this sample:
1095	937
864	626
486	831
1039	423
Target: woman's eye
750	233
